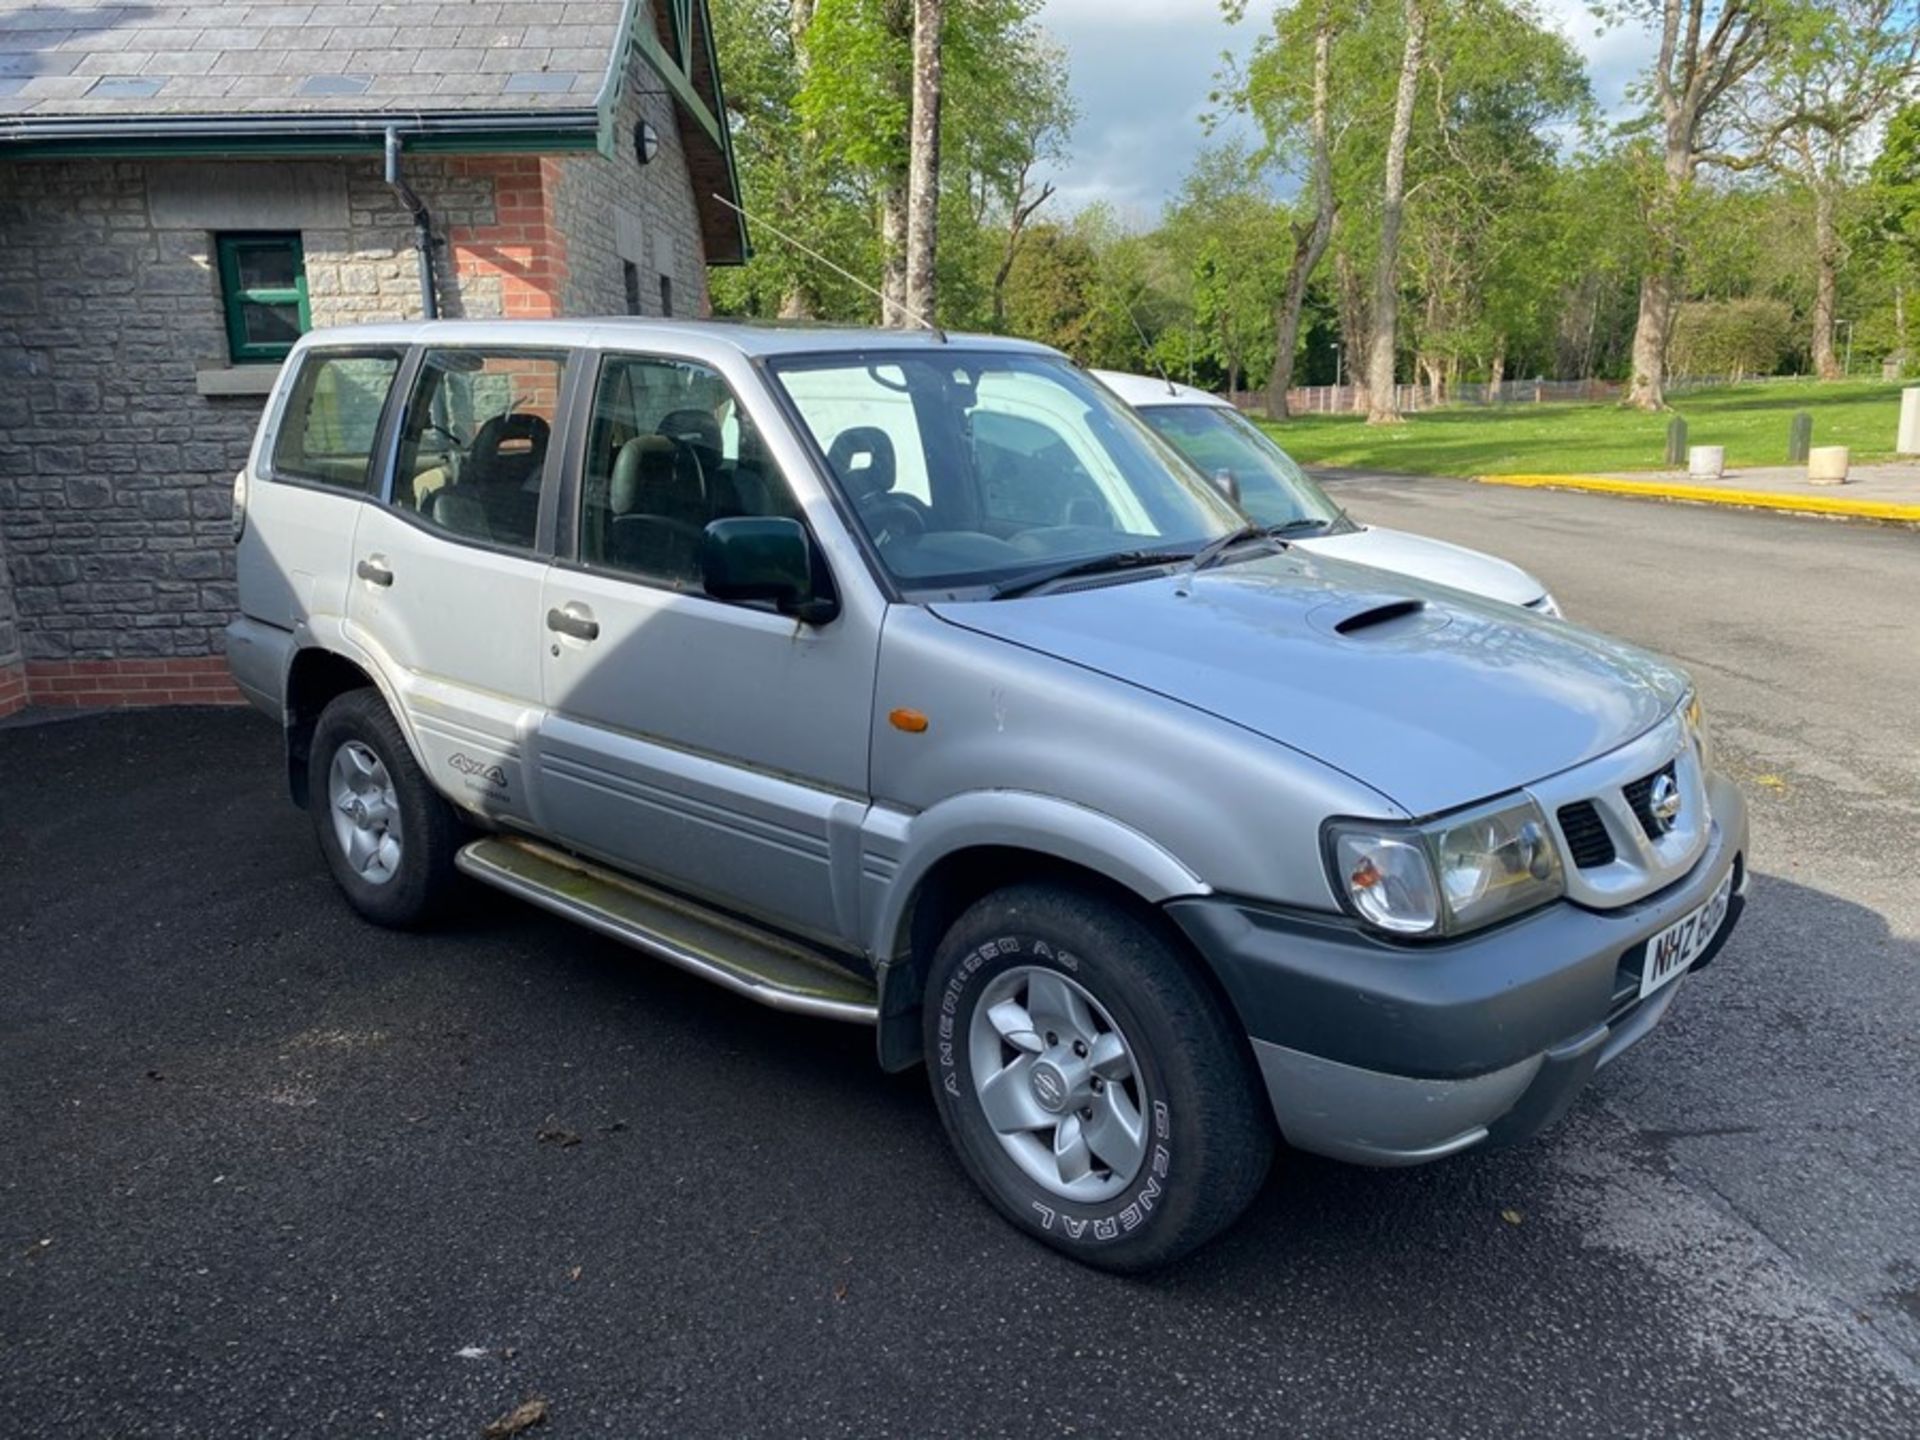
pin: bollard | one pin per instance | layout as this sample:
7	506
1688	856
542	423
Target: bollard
1908	441
1799	438
1827	465
1706	462
1676	441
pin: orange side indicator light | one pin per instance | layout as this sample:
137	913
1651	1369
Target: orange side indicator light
911	721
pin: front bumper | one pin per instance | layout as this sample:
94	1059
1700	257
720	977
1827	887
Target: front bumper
1390	1054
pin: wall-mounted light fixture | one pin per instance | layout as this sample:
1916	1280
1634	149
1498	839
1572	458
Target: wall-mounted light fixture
646	142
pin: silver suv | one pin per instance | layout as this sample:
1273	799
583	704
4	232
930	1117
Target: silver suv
912	681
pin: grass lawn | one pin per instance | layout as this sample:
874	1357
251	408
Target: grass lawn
1750	420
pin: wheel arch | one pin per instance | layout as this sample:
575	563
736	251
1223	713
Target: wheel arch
316	676
967	848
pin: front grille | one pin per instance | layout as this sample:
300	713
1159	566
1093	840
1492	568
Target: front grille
1639	796
1587	837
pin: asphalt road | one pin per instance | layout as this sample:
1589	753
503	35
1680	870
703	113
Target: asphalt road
269	1171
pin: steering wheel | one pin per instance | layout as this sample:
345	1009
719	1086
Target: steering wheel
888	516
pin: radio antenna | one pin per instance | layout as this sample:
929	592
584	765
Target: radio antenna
922	321
1146	347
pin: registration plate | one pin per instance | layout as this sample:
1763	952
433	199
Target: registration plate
1675	948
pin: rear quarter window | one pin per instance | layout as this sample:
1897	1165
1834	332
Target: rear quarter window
332	418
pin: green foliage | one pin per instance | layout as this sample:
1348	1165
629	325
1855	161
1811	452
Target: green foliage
1734	338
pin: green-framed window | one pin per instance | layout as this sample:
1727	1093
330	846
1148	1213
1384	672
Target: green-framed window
263	281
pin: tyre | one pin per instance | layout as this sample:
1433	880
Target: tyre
388	836
1091	1082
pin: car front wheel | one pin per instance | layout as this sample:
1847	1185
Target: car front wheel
1092	1083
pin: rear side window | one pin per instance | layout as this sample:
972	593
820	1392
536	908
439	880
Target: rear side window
328	428
473	447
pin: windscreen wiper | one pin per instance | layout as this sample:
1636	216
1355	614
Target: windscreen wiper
1297	526
1094	565
1210	554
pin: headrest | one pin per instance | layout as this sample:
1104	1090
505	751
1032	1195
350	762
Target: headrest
507	449
862	456
696	427
653	475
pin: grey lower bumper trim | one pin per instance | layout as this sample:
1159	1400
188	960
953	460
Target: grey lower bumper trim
1372	1118
258	654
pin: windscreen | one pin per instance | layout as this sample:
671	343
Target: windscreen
972	469
1273	490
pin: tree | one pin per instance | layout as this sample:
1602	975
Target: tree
1842	67
1383	343
923	191
1706	48
1297	118
1890	231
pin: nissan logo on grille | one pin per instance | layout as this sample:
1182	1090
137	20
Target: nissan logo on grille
1663	803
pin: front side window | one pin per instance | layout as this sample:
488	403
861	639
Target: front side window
1273	489
972	469
332	417
263	283
669	450
473	447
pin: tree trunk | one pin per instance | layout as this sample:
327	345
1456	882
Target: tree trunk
1900	327
923	187
1826	260
798	301
897	19
1496	372
1386	276
1659	285
1017	218
1310	243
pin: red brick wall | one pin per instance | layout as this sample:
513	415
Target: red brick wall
182	680
523	248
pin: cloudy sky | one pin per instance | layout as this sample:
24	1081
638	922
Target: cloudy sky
1142	70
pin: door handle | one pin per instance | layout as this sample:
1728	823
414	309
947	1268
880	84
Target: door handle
374	571
574	619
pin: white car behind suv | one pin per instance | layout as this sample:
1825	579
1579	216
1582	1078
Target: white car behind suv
1215	437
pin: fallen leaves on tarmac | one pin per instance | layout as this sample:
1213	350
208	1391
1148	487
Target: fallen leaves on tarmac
522	1417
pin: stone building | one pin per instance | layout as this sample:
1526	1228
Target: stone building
184	188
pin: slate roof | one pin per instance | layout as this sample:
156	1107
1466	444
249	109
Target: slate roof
108	58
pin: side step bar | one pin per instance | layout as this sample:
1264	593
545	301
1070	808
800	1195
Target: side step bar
767	968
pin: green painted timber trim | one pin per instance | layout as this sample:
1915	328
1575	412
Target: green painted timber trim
296	146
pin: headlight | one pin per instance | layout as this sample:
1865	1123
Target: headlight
1546	605
1450	875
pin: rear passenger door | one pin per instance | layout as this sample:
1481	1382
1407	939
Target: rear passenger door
447	568
719	747
296	551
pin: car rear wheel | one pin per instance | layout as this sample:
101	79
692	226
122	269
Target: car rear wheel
387	835
1092	1083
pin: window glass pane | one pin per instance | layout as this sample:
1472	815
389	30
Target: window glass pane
669	450
977	469
270	324
332	416
267	267
1273	490
473	450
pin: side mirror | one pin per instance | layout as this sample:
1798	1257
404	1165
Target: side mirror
764	558
1224	482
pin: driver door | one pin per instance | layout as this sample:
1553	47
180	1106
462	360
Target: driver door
717	746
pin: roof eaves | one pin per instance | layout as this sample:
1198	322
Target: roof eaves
48	136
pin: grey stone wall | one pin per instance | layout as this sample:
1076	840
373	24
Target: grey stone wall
9	630
616	210
115	470
116	457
